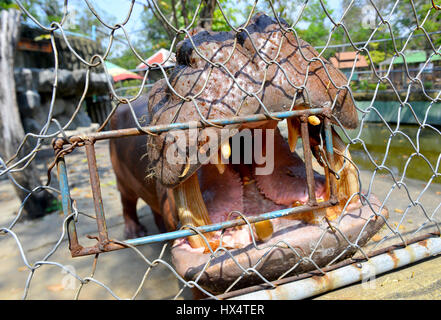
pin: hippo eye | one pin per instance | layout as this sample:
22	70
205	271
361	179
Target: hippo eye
184	52
241	37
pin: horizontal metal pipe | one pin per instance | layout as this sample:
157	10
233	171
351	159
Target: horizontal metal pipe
111	246
356	272
112	134
348	261
226	224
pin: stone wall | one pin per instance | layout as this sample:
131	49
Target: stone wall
34	89
34	77
34	58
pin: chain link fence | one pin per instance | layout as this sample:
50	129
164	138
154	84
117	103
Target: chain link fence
379	166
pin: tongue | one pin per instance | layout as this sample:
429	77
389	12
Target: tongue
287	184
222	193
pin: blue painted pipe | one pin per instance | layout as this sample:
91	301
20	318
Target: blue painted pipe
222	225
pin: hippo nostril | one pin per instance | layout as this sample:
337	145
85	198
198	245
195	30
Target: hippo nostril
183	53
241	37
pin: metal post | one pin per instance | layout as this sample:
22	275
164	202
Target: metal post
330	156
356	272
308	161
66	204
96	191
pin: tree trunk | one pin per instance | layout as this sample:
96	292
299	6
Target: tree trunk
206	15
11	129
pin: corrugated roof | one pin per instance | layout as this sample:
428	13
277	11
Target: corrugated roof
349	55
411	57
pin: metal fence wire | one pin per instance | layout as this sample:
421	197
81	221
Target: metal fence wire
421	238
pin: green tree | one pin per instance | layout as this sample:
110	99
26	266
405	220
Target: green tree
157	33
317	30
406	20
7	4
45	11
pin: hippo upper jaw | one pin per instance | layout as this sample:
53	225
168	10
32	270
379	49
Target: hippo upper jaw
224	74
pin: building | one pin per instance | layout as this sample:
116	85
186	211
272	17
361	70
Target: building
414	63
345	62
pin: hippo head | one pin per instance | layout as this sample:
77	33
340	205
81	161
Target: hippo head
262	69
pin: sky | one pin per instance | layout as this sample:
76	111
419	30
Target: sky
119	9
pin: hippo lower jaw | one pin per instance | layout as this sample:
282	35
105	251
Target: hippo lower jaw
217	191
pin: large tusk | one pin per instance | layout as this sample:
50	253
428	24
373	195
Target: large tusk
191	208
293	126
348	184
220	165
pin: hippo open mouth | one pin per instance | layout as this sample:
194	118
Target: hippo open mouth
260	70
218	192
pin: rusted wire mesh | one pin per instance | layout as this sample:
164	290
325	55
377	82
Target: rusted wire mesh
426	216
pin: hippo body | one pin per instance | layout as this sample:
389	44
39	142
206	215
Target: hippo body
130	167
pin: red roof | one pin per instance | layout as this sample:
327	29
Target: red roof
345	60
159	58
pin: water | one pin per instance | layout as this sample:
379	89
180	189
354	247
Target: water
408	148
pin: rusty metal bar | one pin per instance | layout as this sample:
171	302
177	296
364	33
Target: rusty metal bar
422	239
353	273
112	134
111	246
98	248
227	224
96	191
330	158
308	161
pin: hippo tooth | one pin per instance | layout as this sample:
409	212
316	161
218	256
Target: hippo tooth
220	165
225	149
314	120
191	208
264	229
347	185
293	132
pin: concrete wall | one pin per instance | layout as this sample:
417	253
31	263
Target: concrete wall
34	76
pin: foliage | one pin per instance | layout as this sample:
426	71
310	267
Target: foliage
7	4
316	32
407	19
311	23
157	34
45	11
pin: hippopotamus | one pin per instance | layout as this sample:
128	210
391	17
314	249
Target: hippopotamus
262	69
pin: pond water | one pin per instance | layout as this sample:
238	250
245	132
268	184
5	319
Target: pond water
405	150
